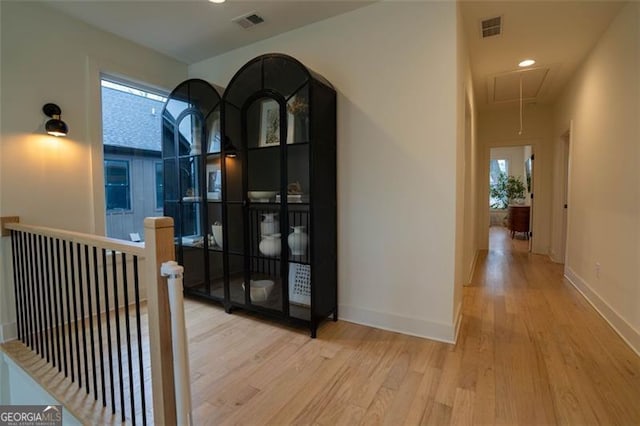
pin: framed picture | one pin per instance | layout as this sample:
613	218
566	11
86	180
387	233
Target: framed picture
214	181
214	136
270	124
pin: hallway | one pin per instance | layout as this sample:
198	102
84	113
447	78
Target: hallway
539	344
531	351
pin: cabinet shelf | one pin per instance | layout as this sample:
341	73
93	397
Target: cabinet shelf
260	204
220	250
194	157
292	259
275	147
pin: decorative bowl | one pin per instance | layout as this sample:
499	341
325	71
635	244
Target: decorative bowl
262	196
216	230
260	290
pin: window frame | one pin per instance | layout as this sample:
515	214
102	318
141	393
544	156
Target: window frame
109	211
159	185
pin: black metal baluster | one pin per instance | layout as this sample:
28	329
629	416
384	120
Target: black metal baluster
47	265
26	241
75	315
99	316
31	298
23	287
61	300
41	302
108	319
140	363
127	321
118	339
37	309
91	335
55	272
68	306
84	329
16	285
32	295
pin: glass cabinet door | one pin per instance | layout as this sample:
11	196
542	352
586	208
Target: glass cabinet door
188	142
213	193
264	137
192	175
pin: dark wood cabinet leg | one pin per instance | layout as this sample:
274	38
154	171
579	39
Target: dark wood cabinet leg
314	329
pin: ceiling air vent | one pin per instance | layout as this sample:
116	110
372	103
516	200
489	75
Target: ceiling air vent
248	21
491	27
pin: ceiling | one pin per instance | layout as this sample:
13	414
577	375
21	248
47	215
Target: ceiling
193	30
557	34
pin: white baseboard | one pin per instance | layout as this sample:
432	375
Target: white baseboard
406	325
625	330
473	267
554	258
457	322
8	332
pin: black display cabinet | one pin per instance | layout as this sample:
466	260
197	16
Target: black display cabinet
279	198
255	206
191	154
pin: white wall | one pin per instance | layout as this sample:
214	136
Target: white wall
499	128
393	65
466	160
603	103
48	57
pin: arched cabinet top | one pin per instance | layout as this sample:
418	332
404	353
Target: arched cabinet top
193	94
270	73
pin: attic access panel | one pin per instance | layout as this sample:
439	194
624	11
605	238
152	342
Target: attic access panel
506	87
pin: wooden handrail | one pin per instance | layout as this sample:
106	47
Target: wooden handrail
136	249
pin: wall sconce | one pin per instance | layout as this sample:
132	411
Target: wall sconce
55	126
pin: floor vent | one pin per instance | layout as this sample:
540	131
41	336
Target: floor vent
491	27
248	21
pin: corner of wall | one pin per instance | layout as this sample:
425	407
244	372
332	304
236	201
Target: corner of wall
8	332
457	323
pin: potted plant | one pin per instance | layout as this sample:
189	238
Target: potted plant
506	190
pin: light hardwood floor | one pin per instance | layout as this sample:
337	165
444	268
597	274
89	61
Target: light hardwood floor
530	351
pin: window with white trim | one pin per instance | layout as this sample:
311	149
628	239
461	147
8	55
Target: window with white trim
131	137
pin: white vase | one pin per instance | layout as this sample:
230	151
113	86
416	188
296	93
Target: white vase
269	224
298	240
270	245
216	230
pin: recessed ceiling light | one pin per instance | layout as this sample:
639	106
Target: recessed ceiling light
217	1
526	63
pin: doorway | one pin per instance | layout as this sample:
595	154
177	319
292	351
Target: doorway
511	193
566	146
